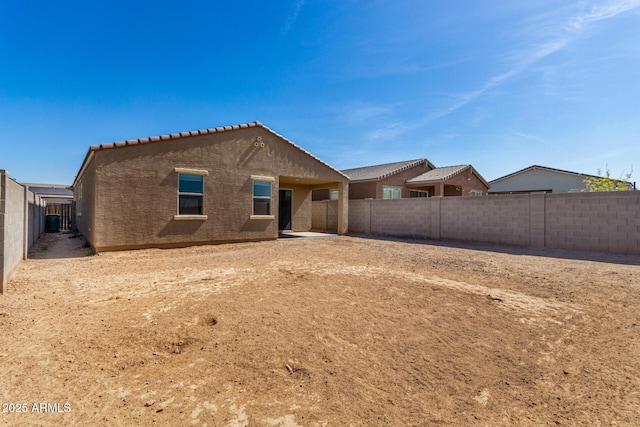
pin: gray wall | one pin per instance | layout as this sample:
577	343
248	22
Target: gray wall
608	222
21	223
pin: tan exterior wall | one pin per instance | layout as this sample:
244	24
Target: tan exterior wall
85	198
300	207
467	182
135	190
607	222
363	190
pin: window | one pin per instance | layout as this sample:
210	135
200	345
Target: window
418	193
261	197
333	194
391	192
475	193
190	194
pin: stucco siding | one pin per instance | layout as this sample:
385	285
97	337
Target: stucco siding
136	189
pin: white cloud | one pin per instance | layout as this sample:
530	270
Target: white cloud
599	13
525	59
294	11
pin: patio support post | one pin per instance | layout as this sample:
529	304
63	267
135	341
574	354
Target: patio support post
343	207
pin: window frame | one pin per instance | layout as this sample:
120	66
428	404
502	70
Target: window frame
271	180
475	193
425	192
193	172
393	188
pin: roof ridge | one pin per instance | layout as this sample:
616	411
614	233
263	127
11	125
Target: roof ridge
389	163
532	167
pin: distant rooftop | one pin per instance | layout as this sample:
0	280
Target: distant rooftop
535	167
377	172
50	190
443	174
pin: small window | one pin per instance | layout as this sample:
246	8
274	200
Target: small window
475	193
261	197
391	192
333	194
190	194
418	193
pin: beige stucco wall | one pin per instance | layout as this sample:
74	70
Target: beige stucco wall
135	189
84	194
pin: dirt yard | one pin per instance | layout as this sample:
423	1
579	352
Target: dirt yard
320	332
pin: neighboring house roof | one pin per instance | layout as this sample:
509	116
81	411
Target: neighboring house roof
378	172
50	190
154	139
535	167
443	174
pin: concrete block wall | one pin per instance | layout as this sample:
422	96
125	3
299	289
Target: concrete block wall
607	222
319	215
21	223
324	215
359	218
486	219
401	217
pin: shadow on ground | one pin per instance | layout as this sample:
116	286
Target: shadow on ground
605	257
60	245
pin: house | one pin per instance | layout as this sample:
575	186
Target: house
539	179
411	178
462	180
225	184
59	201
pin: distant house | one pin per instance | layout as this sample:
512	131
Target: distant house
462	180
411	178
58	199
226	184
539	179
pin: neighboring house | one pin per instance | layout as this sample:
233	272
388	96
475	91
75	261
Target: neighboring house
539	179
411	178
58	199
462	180
228	184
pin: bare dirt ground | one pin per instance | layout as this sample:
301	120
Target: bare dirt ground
313	332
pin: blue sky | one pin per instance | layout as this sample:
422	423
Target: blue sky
501	85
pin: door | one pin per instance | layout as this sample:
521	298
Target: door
284	209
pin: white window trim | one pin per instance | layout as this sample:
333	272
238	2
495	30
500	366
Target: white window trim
262	178
202	172
190	217
270	179
475	191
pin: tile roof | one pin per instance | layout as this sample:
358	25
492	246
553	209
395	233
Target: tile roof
153	139
443	174
377	172
439	174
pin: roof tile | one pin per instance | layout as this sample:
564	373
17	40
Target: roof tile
377	172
